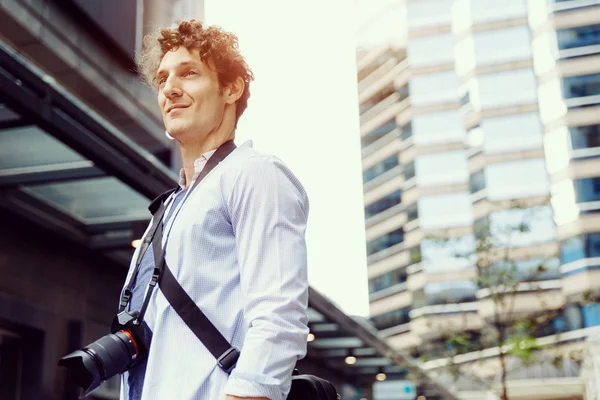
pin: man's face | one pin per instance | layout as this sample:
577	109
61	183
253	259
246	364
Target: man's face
189	95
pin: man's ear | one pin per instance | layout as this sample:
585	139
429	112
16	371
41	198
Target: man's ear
234	90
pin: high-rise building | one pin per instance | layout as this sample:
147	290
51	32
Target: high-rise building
489	104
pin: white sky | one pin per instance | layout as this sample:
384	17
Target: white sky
304	109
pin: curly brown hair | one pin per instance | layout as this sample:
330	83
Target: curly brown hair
218	48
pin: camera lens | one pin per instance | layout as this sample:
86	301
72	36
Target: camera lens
110	355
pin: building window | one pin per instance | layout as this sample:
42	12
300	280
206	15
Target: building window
537	269
518	226
424	13
477	181
428	89
406	131
450	292
438	127
412	212
583	137
580	247
388	240
502	45
445	210
587	189
386	280
517	179
377	98
512	133
492	10
448	254
579	36
392	318
380	168
409	171
444	168
581	86
431	50
379	132
503	89
383	204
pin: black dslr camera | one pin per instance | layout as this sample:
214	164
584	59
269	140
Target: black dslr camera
112	354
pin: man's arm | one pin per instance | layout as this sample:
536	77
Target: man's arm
269	210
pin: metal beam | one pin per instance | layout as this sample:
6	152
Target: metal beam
32	93
41	174
399	357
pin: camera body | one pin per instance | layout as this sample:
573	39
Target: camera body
112	354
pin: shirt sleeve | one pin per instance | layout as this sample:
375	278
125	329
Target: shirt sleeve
269	211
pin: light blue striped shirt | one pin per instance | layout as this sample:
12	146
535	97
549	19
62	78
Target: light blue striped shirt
236	245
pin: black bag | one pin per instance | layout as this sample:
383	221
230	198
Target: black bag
304	387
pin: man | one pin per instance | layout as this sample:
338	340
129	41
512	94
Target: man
235	243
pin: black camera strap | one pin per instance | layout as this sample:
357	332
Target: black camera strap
181	302
158	208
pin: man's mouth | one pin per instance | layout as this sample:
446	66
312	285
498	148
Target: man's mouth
175	107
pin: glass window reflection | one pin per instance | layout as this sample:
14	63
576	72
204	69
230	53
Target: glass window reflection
383	204
445	210
392	318
450	292
433	88
444	168
579	247
448	254
388	240
507	88
424	13
388	279
517	179
587	189
439	127
502	45
581	86
379	132
431	50
583	137
518	227
380	168
512	133
579	36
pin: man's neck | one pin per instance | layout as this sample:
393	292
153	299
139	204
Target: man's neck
190	152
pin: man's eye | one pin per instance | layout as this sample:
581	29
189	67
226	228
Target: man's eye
161	81
191	73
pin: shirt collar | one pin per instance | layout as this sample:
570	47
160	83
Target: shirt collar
199	165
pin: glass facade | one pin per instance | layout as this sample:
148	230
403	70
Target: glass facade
428	89
581	86
379	132
386	280
587	189
438	127
450	292
579	247
517	179
444	168
388	240
425	13
579	36
431	50
502	89
532	269
477	181
517	226
511	133
445	210
380	168
583	137
383	204
448	254
392	318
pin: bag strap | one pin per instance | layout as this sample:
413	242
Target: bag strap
181	302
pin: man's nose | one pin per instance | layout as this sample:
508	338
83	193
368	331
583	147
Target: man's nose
171	88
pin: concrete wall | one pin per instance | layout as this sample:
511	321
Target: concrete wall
56	296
